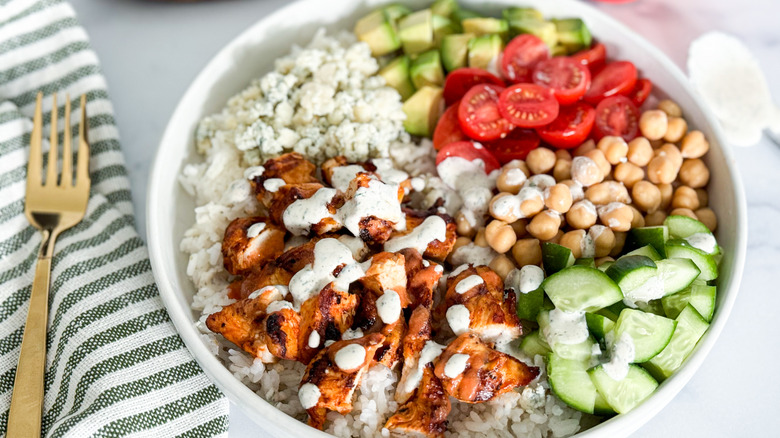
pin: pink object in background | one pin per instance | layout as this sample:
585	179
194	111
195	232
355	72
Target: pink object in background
615	1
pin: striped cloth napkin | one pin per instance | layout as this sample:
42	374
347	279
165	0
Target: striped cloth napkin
115	365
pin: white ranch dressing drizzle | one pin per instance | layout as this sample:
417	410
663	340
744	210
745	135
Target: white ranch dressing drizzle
566	328
515	176
253	172
531	277
455	272
622	353
356	245
309	395
343	175
541	182
432	228
387	171
314	339
703	241
583	169
328	255
352	334
388	306
350	357
379	200
255	229
278	292
468	283
299	216
588	243
455	365
473	254
272	185
473	185
652	289
458	317
429	353
278	305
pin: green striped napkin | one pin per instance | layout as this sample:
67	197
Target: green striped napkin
115	365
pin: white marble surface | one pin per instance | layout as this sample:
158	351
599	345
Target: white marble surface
151	51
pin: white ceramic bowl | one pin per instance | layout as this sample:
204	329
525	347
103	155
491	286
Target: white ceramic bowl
251	54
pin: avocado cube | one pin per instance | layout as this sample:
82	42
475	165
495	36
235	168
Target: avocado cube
378	32
444	8
396	74
455	50
416	32
426	70
573	34
463	14
423	110
545	30
442	27
486	26
396	11
511	14
484	51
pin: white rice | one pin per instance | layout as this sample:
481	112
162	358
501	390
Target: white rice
221	197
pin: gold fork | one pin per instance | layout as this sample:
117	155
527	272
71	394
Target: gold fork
51	208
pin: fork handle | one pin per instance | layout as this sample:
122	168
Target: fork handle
24	418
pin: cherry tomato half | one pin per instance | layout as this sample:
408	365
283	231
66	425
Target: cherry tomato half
615	78
461	80
470	151
571	128
479	116
568	79
521	56
448	128
618	116
528	105
593	58
641	92
515	146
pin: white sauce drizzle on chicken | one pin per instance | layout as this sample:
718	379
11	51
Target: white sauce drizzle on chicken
379	200
299	216
328	255
468	283
456	365
432	228
429	353
255	229
388	306
350	357
309	395
272	185
458	317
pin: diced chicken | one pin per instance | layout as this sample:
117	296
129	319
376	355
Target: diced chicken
372	229
329	169
287	194
389	354
279	331
425	414
418	333
336	386
292	168
421	281
330	313
436	249
270	274
387	271
242	253
485	374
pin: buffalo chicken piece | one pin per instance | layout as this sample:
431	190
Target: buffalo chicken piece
367	194
271	274
418	333
338	172
421	280
472	372
290	168
389	354
303	199
328	314
251	242
425	414
419	224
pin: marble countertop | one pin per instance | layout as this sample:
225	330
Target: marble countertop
151	51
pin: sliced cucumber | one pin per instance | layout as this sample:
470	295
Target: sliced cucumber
680	249
601	407
604	266
581	289
586	261
529	304
647	251
626	394
609	313
556	257
533	344
700	296
582	351
650	333
631	272
599	325
690	328
681	227
653	236
570	381
653	306
677	274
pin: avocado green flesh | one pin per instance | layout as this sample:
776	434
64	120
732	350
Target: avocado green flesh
378	32
455	51
573	34
483	50
486	26
423	110
426	70
396	74
416	32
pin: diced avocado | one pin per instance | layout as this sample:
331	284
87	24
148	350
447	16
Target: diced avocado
444	8
443	26
396	74
455	50
515	13
423	110
378	32
416	32
558	50
426	70
396	11
545	30
573	34
463	14
483	50
486	26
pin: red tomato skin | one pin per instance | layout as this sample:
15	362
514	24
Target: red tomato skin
559	74
615	78
470	151
483	122
641	91
521	56
593	58
517	101
571	128
618	116
448	128
460	81
515	146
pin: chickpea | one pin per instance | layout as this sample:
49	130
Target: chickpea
505	206
606	192
558	198
563	154
544	225
694	173
655	218
672	152
577	194
584	148
683	212
685	197
661	170
502	265
555	239
639	151
694	145
653	124
527	252
628	173
500	236
704	197
540	160
670	107
601	260
614	148
647	196
667	193
479	238
603	240
707	217
585	171
464	226
620	242
582	215
519	227
562	170
511	180
675	129
601	160
573	241
616	216
638	221
519	164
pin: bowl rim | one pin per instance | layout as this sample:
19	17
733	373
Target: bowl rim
251	404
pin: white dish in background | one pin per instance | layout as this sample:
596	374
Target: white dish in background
251	54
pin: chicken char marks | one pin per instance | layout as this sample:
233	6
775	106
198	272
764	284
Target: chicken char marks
242	253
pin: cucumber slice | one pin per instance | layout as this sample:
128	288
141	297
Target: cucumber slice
700	296
626	394
416	32
586	261
426	70
601	407
378	32
653	236
650	333
609	313
396	74
631	272
423	110
679	249
484	50
529	304
604	266
556	257
653	306
647	251
690	328
581	352
533	344
570	381
681	227
677	274
581	289
599	325
486	26
455	50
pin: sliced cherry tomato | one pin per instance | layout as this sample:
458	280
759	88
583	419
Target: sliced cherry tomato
460	81
571	128
593	58
568	78
470	151
615	78
479	116
641	91
448	128
521	56
618	116
515	146
528	105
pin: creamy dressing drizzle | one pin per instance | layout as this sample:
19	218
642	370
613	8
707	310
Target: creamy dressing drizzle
328	255
583	170
515	177
309	395
468	283
531	277
314	340
356	245
432	228
278	305
566	328
350	357
343	175
272	185
278	291
652	289
622	353
429	353
352	334
253	172
255	229
379	200
473	254
455	365
473	185
299	216
388	306
458	317
703	241
387	171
